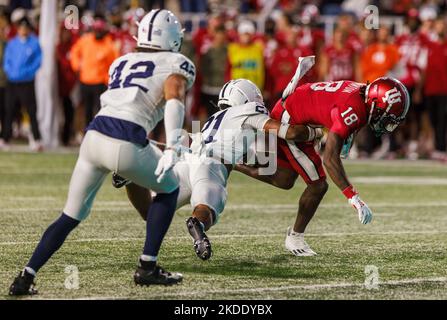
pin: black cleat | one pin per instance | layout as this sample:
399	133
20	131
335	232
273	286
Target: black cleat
23	285
202	245
119	182
156	276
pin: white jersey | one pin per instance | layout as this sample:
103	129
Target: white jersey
136	83
226	134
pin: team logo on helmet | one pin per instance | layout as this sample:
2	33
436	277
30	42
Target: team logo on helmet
392	96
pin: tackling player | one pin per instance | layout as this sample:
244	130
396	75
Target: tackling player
222	144
144	88
343	107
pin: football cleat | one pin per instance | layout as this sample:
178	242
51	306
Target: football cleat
23	285
296	245
202	245
156	276
119	182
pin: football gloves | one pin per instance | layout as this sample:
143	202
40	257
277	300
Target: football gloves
166	163
364	212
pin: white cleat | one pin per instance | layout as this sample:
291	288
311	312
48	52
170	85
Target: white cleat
296	245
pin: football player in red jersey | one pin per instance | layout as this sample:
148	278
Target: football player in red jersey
343	107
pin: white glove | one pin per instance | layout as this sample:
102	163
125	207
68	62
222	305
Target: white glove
365	214
166	164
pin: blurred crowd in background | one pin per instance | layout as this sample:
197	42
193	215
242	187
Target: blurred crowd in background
226	41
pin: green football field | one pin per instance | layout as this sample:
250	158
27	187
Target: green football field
406	243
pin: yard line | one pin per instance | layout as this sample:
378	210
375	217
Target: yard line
401	180
240	236
300	287
258	207
309	287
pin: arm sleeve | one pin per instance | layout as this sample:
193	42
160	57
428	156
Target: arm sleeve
174	117
7	60
35	64
257	121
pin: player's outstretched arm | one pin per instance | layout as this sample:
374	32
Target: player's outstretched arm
298	133
174	92
336	171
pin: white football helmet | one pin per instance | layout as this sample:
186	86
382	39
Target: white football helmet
160	30
239	92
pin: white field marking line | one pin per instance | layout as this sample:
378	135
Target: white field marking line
233	236
397	163
263	208
271	289
36	172
302	287
396	180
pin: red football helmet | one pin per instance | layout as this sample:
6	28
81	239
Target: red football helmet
388	101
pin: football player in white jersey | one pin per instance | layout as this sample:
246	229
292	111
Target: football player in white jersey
144	88
222	144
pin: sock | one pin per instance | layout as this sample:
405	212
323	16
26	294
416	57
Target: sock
51	241
159	219
148	262
30	271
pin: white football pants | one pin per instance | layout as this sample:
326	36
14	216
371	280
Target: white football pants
202	182
99	155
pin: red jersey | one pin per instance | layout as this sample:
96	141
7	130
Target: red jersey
283	66
436	71
340	63
124	41
412	49
337	106
354	42
311	38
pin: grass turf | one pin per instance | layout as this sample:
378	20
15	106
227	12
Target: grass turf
407	241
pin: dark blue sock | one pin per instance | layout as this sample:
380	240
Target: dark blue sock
51	241
159	219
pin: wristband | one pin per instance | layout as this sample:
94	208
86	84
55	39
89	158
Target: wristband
282	132
350	192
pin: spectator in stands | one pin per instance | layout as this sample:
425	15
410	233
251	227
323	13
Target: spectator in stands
378	60
310	35
22	60
66	80
202	40
435	88
270	46
345	23
285	62
3	80
338	59
246	57
121	32
193	5
413	52
25	4
91	57
284	23
213	70
380	57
